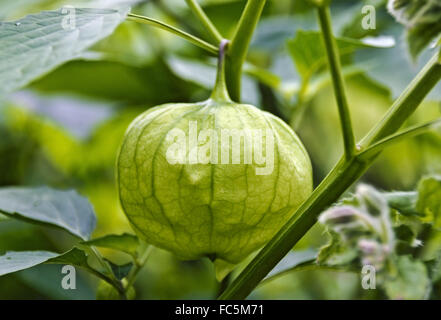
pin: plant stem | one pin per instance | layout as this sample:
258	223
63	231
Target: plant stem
338	82
223	285
191	38
407	103
176	17
395	138
344	174
203	18
111	279
220	91
240	44
139	264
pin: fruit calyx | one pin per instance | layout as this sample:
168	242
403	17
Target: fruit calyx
220	91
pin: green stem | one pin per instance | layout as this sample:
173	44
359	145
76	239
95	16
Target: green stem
344	174
338	82
156	23
407	103
240	44
175	17
223	285
111	278
203	18
220	91
139	264
395	138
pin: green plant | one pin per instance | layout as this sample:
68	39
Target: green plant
393	247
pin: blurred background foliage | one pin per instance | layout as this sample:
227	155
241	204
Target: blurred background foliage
64	129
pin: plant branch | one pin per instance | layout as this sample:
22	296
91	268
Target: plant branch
203	18
176	17
240	44
223	284
395	138
111	279
139	264
338	82
344	174
407	103
159	24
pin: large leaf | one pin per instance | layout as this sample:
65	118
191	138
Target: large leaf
16	261
46	279
64	209
19	8
38	43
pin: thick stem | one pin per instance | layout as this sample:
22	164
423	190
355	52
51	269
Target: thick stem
220	91
223	285
184	35
345	173
203	18
337	80
240	44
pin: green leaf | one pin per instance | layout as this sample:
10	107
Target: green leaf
120	271
422	20
410	282
292	261
404	202
76	257
125	242
45	279
222	269
309	54
64	209
429	200
19	8
15	261
337	251
434	267
36	44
